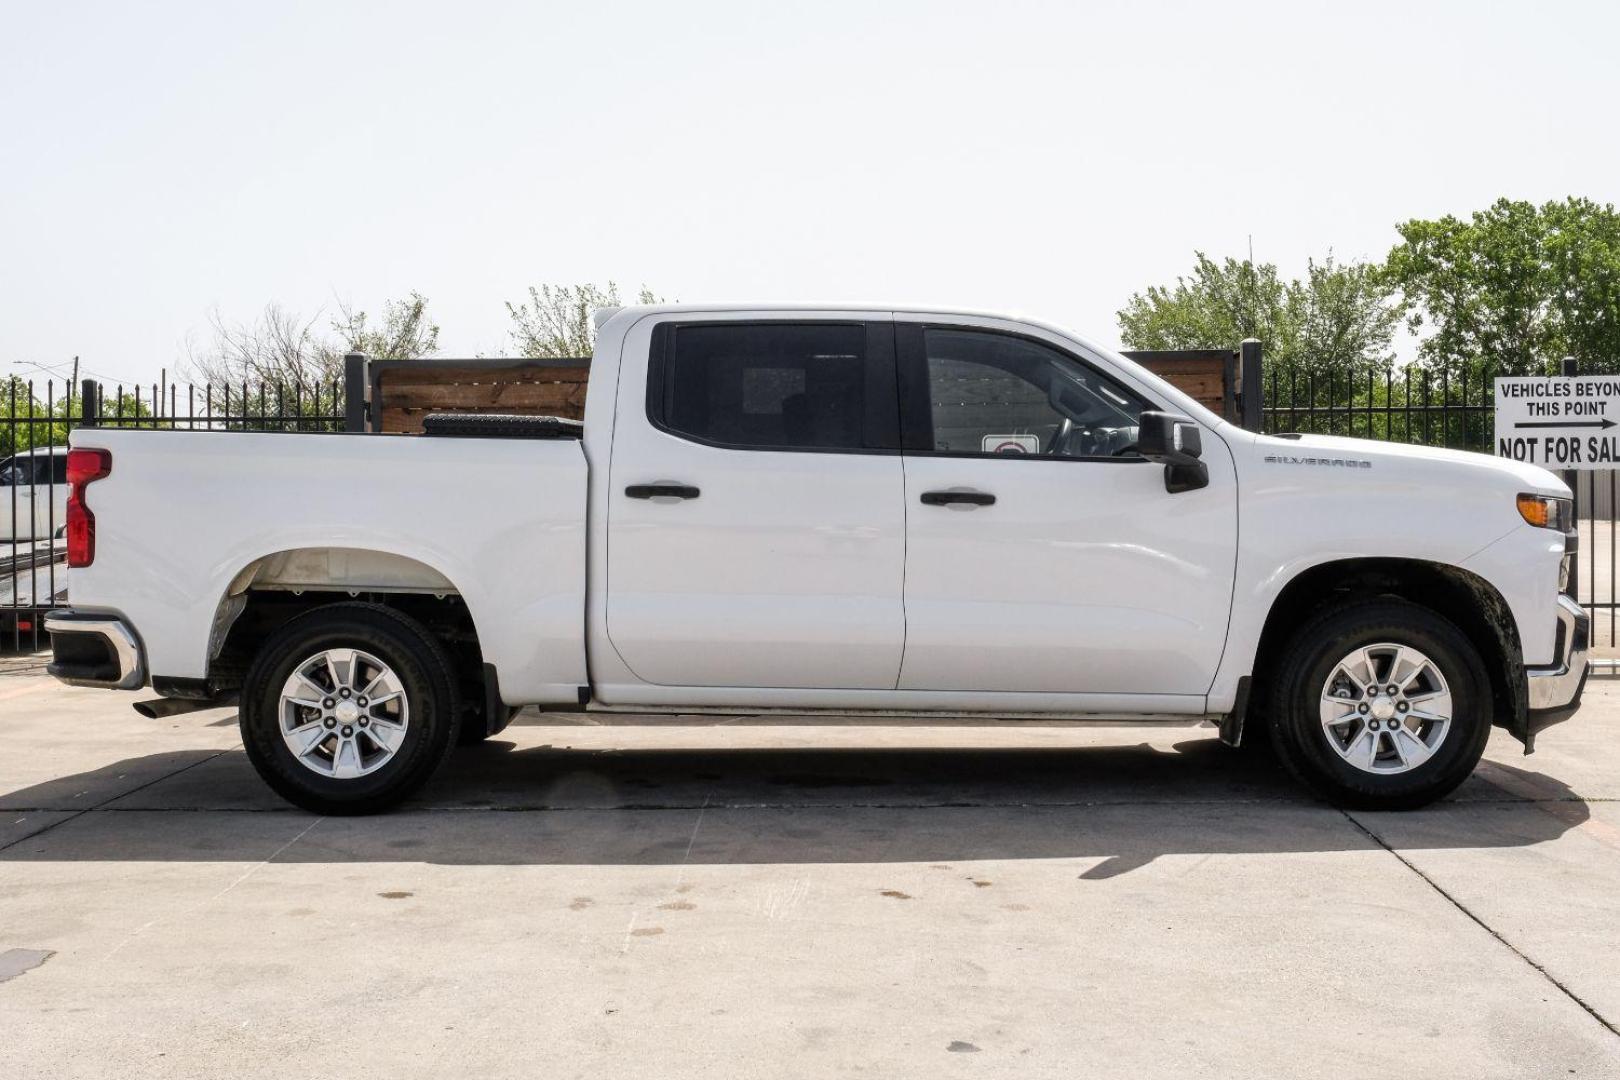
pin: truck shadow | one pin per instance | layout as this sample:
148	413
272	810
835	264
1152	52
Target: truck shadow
1119	807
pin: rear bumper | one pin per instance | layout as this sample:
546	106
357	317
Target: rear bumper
1555	691
94	649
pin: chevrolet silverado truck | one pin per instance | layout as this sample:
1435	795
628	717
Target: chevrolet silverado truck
828	511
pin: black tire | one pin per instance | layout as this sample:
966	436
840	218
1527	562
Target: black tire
1256	744
424	671
1301	741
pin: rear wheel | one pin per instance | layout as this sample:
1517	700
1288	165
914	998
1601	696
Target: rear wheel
348	709
1381	705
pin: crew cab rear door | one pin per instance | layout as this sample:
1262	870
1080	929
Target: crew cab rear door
756	515
1043	555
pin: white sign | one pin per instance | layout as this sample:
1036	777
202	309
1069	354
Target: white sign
1010	444
1560	421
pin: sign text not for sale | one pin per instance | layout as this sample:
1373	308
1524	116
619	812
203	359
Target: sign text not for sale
1559	422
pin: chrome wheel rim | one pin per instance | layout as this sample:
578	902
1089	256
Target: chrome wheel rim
1386	708
343	713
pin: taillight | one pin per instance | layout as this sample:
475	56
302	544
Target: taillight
83	467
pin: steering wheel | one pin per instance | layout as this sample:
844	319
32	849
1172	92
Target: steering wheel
1132	434
1059	445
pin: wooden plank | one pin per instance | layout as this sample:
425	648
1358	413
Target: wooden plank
408	392
1201	377
409	421
429	375
1204	365
515	397
1201	387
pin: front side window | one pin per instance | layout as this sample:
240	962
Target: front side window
778	386
994	394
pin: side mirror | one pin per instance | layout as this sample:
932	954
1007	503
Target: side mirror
1178	443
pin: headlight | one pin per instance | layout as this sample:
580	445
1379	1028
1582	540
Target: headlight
1545	512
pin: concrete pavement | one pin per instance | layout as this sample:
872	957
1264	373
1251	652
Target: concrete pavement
585	899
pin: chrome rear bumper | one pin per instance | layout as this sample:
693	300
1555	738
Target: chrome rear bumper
93	649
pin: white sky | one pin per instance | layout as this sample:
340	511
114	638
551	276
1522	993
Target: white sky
160	159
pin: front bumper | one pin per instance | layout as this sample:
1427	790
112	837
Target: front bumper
1555	691
93	649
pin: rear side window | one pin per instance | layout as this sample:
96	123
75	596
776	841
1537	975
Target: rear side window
59	468
775	386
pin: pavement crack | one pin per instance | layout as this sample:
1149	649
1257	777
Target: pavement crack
680	881
1483	925
243	876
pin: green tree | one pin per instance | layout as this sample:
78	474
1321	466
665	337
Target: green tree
1347	319
1513	287
1339	319
556	319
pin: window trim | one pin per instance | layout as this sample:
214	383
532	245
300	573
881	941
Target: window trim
916	402
882	384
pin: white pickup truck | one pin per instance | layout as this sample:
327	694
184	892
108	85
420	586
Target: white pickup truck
828	510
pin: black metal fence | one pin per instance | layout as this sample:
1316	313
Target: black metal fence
36	418
1411	406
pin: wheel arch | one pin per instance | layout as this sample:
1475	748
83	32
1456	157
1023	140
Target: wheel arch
1469	601
279	585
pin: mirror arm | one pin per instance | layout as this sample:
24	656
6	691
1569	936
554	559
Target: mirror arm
1185	476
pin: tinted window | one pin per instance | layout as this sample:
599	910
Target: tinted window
58	468
993	394
778	385
17	471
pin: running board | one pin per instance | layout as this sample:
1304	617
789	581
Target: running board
629	714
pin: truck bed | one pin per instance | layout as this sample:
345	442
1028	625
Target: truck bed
187	519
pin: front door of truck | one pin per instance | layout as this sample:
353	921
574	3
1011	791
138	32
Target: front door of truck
756	523
1043	555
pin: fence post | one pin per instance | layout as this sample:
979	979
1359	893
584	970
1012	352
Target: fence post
1568	367
88	403
1250	358
354	392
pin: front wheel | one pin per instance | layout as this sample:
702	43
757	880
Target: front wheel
1381	705
348	709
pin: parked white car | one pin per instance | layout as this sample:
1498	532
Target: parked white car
850	510
33	493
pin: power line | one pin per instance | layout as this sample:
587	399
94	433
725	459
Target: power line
52	369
